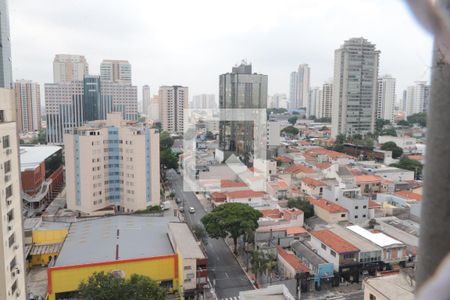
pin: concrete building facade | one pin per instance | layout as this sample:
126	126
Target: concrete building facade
299	88
386	98
325	101
6	80
355	87
417	97
118	71
67	68
204	101
172	102
146	98
111	164
28	104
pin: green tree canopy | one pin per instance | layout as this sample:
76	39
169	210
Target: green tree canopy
419	118
106	286
293	120
391	146
168	159
231	219
165	140
409	164
403	123
302	204
323	120
291	130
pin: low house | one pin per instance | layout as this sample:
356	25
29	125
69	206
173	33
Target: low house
323	271
328	211
285	217
405	200
273	236
311	186
278	189
338	251
394	251
299	171
394	286
369	184
289	265
252	198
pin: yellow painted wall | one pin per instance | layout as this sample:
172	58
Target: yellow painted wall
49	236
66	280
37	260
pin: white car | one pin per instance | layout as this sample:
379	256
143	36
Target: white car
192	210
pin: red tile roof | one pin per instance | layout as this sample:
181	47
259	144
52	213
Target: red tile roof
409	195
230	183
328	206
292	260
271	213
374	204
218	196
294	169
416	157
368	178
283	159
334	241
323	165
244	194
313	182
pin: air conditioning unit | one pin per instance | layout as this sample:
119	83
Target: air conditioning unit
9	227
8	151
17	270
9	202
17	293
15	247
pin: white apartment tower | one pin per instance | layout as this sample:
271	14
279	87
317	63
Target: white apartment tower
417	97
111	163
204	101
325	101
355	88
299	88
28	104
386	98
67	68
315	94
116	71
12	263
146	97
172	102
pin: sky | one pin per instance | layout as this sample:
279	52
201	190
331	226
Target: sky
192	42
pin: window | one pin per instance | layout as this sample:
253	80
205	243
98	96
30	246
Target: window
364	206
364	216
372	297
356	207
342	215
323	246
5	140
356	216
332	253
7	166
8	191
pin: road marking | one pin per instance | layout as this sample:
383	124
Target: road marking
227	275
230	298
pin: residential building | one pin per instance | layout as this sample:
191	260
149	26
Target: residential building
393	286
250	197
328	211
290	265
240	89
12	263
146	98
369	184
299	88
68	68
109	163
204	101
338	251
386	98
195	262
124	98
311	186
326	98
279	101
408	144
322	270
6	80
42	174
110	245
118	71
154	109
315	94
172	102
417	97
355	88
28	104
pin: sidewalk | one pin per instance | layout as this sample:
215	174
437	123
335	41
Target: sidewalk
204	202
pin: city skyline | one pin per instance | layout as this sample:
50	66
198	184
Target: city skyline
157	62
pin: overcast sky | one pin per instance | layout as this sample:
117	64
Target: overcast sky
190	42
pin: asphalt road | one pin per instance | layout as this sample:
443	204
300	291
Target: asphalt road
225	274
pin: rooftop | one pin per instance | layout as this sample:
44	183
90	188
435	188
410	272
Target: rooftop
362	244
292	260
392	287
409	195
230	183
185	241
328	206
379	238
334	241
307	253
367	178
273	292
298	169
313	182
244	194
97	240
31	157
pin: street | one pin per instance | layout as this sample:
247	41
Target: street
225	274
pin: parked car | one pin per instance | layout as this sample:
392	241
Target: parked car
192	210
178	200
181	209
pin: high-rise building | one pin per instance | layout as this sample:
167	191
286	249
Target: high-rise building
115	71
315	94
111	163
326	98
124	98
96	106
146	97
172	102
204	101
67	68
28	103
6	80
278	101
355	87
12	262
386	98
240	89
299	88
64	108
154	109
417	97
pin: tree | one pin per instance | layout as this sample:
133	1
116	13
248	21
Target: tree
165	140
231	219
403	123
391	146
379	124
419	118
293	120
312	118
106	286
295	113
323	120
258	263
409	164
302	204
200	233
157	125
323	128
210	136
168	159
389	131
291	130
340	139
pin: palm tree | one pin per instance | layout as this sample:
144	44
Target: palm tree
271	263
258	263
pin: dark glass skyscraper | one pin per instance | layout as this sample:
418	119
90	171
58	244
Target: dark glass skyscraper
5	47
95	105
